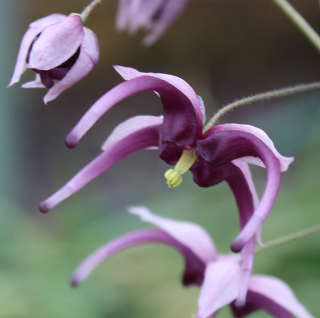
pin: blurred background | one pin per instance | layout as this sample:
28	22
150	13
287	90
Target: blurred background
226	50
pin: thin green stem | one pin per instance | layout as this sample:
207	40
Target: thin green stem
289	238
259	97
299	21
88	9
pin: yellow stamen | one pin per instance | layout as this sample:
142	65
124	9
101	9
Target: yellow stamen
174	176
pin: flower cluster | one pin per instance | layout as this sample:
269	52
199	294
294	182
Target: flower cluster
61	51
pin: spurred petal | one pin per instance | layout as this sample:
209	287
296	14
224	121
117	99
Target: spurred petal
129	240
129	73
273	296
220	287
36	83
57	43
222	146
242	186
129	127
189	234
143	138
259	133
182	124
169	13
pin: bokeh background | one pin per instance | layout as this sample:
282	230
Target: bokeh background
225	50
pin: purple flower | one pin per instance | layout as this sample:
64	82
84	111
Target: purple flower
60	50
220	277
154	16
213	156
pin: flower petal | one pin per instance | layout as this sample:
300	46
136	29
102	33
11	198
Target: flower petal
181	125
242	186
57	43
126	241
167	16
26	42
48	20
129	127
222	146
220	287
129	73
273	296
36	83
189	234
259	133
140	139
88	57
123	14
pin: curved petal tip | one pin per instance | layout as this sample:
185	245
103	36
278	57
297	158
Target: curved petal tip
71	141
74	283
45	207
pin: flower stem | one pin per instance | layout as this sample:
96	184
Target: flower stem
299	21
289	238
259	97
88	9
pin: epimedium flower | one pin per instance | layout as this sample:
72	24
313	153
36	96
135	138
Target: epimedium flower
60	50
154	16
179	136
219	276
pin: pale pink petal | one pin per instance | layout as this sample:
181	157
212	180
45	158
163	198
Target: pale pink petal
123	14
220	287
278	297
90	45
57	43
168	15
129	127
259	133
122	243
140	139
36	83
48	20
189	234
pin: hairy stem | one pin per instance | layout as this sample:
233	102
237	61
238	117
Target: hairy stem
288	238
88	9
299	21
259	97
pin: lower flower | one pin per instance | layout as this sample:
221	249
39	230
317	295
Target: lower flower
219	276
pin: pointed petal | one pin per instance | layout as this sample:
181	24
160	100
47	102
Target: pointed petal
242	186
36	83
26	42
129	73
48	20
120	244
182	124
189	234
129	127
273	296
221	146
143	138
169	13
90	45
259	133
123	14
57	43
220	287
